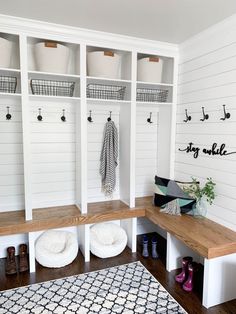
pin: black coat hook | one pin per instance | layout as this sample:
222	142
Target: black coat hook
8	115
90	116
63	118
109	118
39	117
205	116
226	114
188	118
149	120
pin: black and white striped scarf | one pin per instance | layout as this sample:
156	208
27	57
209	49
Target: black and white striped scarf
108	158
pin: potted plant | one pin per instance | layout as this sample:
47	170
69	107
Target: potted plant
202	195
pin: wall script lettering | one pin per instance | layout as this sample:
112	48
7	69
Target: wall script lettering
213	150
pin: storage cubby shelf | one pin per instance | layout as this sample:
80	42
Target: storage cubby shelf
9	71
65	216
53	98
146	84
38	74
107	101
10	94
101	80
150	103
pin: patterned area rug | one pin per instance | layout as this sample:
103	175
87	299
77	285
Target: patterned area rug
122	289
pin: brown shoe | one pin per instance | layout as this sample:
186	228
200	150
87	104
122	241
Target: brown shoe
24	265
11	261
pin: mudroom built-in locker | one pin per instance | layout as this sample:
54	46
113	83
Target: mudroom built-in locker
50	149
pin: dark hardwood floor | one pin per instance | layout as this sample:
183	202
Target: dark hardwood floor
190	301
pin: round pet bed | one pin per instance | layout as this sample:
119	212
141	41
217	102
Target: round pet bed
56	248
107	240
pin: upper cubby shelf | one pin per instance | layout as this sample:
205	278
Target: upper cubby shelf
108	63
10	55
53	57
154	69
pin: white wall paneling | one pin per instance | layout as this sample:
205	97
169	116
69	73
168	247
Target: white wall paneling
53	148
146	150
207	79
95	140
11	156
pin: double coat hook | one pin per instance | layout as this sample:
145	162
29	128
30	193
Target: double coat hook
8	115
205	116
109	118
39	117
226	114
188	118
90	116
149	120
63	118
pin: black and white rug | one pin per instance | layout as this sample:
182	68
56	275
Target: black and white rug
122	289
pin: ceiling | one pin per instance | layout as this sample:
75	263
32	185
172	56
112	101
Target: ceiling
165	20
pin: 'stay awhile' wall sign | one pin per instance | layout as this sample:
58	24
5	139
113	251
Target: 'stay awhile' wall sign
215	149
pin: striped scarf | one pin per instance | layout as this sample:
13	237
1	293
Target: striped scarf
108	158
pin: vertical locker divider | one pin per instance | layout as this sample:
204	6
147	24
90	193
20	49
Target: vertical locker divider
83	230
130	225
27	157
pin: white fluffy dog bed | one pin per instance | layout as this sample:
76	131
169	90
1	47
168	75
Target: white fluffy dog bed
56	248
107	240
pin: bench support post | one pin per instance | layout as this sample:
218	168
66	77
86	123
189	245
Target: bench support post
219	284
176	250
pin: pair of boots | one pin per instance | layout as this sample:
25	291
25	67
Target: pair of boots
145	252
188	273
11	268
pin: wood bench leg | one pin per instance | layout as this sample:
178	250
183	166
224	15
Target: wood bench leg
176	250
130	226
32	265
219	280
84	241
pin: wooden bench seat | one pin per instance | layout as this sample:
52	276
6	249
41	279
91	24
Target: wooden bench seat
65	216
202	235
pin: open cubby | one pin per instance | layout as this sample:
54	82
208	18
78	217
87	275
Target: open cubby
125	66
74	55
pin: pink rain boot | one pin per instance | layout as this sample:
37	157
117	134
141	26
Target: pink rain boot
183	275
192	269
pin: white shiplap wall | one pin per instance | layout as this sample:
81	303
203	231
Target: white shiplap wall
146	159
146	152
95	140
207	78
53	154
11	157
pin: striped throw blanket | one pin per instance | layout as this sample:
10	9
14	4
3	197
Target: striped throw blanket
108	158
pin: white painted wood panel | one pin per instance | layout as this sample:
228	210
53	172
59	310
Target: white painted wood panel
95	139
146	152
11	158
53	155
207	79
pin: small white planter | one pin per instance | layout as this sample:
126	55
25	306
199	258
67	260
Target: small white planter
51	57
5	52
150	70
104	64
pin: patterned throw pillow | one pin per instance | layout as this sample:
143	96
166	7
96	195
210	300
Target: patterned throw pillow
167	190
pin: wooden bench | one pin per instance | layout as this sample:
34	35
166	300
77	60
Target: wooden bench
186	235
215	243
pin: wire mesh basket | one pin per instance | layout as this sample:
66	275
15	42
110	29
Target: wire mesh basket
152	95
52	88
101	91
8	84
